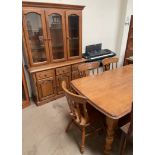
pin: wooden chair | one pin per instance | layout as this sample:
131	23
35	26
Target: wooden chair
86	68
82	114
127	134
107	62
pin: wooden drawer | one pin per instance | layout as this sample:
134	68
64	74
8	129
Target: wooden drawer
63	70
75	75
75	67
64	77
44	74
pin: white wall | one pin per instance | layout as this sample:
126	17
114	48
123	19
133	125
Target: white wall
121	26
101	21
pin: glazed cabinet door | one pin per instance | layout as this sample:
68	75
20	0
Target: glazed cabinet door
46	88
64	77
55	19
74	33
36	36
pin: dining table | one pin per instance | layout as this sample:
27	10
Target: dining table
111	93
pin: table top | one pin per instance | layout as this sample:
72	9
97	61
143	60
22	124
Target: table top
111	92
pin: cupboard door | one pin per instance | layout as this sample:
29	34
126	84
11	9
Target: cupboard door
75	75
46	88
129	46
74	33
35	36
56	34
75	71
64	77
25	96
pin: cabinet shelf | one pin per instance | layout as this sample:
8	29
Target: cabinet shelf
38	48
34	29
58	46
56	28
74	38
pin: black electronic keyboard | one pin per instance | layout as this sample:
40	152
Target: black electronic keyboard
98	55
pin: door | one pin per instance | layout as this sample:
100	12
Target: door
64	77
25	96
129	46
74	33
35	36
56	34
46	88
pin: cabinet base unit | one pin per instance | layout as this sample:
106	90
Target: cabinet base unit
48	78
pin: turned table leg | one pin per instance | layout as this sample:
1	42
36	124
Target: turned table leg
111	125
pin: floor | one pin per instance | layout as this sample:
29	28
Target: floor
44	132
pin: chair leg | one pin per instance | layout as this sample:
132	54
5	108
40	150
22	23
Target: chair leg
69	125
83	140
122	144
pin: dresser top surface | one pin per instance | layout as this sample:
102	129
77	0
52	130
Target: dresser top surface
55	65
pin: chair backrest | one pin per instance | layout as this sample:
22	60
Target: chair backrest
107	62
77	104
86	68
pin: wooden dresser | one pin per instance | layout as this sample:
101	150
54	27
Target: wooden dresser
52	38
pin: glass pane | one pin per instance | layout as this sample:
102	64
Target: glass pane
23	93
34	28
73	35
56	32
